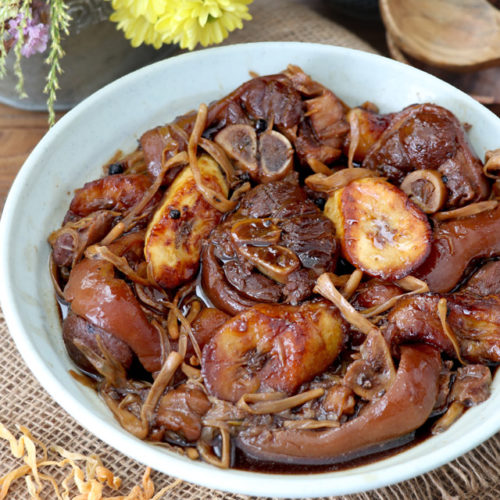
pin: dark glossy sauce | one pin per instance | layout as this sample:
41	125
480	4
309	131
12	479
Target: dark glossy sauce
240	460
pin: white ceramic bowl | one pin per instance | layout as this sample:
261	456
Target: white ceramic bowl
113	118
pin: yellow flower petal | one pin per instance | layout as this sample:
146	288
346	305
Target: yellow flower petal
187	22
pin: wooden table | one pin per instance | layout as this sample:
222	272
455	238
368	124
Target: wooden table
20	131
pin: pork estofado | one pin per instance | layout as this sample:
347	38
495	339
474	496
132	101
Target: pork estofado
280	277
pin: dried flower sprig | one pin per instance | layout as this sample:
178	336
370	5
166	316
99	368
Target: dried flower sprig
59	24
154	22
23	31
8	10
22	21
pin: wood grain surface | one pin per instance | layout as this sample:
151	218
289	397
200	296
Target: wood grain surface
20	132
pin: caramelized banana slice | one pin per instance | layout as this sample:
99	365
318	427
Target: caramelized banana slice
366	126
381	231
173	239
271	347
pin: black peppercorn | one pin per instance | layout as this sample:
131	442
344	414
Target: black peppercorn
115	168
244	177
320	203
260	125
174	213
444	179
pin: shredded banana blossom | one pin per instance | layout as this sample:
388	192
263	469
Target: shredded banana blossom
338	180
442	310
129	220
326	288
467	211
104	253
492	164
54	276
352	283
318	167
139	427
215	199
354	138
219	155
262	403
207	453
411	284
454	411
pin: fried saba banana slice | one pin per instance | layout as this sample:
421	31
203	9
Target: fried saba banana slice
381	231
173	239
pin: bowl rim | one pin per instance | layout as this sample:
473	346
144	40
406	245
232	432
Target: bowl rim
232	480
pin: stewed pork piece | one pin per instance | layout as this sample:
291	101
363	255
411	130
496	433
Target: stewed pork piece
303	112
427	136
468	330
80	334
390	417
271	249
456	244
485	281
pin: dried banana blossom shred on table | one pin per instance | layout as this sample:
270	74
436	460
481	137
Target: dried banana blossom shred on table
88	476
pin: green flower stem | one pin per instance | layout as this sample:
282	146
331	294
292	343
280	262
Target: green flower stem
7	11
25	12
59	24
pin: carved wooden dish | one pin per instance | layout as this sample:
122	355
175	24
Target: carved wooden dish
450	34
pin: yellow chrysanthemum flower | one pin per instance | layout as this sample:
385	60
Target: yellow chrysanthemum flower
137	19
187	22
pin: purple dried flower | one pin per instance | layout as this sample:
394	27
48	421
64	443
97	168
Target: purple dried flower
36	36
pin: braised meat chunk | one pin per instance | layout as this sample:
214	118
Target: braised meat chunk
427	136
474	323
269	250
486	281
79	335
457	243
